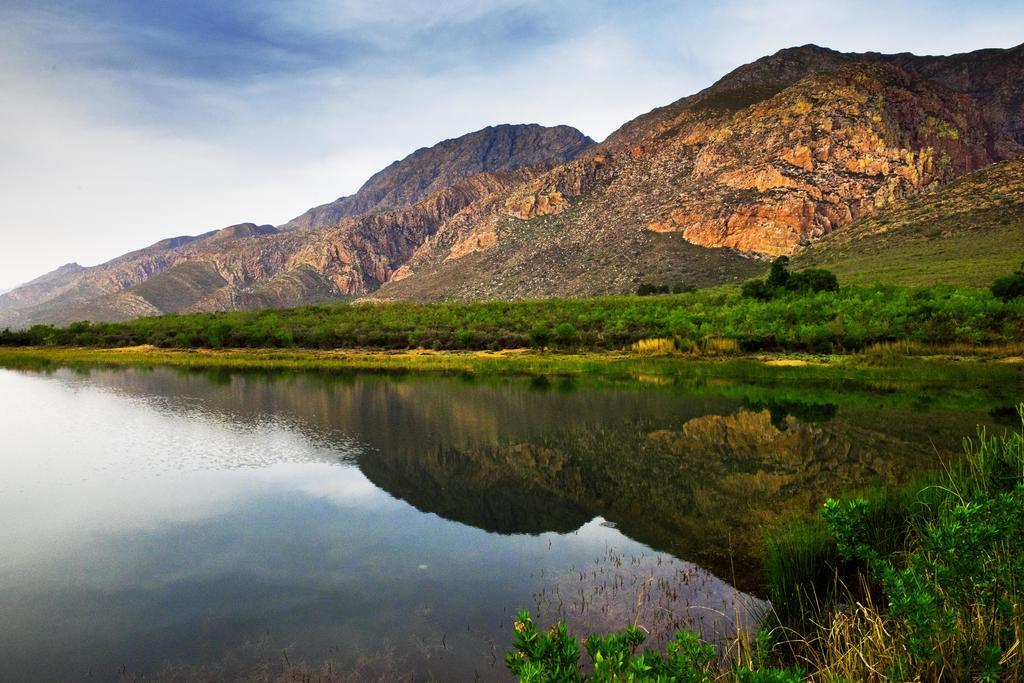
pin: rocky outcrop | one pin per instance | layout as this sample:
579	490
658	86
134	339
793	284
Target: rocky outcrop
782	173
993	79
969	231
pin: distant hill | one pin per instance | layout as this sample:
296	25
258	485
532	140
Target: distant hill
799	147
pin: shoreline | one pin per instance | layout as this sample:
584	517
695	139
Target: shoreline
522	362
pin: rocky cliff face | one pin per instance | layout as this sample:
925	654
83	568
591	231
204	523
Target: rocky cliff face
782	173
993	79
771	158
495	149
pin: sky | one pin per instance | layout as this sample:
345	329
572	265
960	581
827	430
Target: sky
122	123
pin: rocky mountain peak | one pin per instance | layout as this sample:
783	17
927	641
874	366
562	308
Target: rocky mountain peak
495	149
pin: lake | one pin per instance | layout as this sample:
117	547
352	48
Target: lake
184	525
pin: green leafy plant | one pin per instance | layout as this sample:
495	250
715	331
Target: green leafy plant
553	656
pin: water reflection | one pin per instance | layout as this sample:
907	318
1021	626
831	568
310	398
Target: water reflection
164	516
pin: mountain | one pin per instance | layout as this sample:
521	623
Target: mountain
766	161
776	156
495	149
309	259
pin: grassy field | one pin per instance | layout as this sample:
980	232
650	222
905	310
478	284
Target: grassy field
911	259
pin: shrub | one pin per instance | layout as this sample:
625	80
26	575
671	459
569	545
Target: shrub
466	339
1009	287
813	280
540	336
781	280
553	656
647	289
758	289
566	334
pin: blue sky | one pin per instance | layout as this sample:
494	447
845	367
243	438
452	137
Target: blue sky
126	122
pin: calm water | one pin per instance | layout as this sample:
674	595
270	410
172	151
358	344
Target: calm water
159	523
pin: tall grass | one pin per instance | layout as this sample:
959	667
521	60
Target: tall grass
709	346
801	569
903	348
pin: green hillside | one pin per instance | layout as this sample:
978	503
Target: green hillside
968	232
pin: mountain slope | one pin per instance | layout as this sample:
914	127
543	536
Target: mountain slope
993	78
495	149
968	232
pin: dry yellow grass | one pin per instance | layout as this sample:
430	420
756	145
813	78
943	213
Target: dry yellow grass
662	346
914	348
654	347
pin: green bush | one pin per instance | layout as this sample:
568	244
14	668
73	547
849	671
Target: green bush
540	336
757	289
566	334
780	281
647	289
812	280
554	657
1009	287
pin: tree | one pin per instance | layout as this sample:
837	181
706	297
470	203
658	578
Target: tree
779	275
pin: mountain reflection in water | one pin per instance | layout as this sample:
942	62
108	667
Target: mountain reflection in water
176	516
